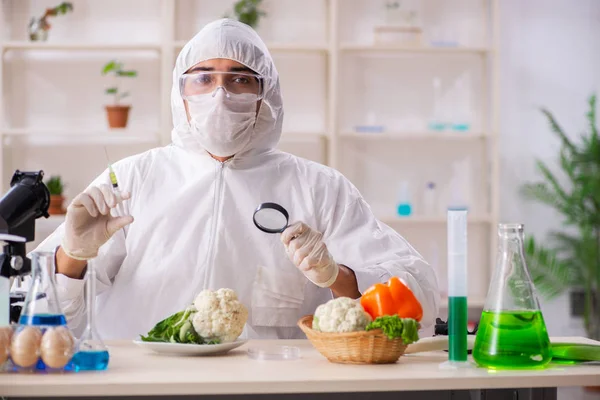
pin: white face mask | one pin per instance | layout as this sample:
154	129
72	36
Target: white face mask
222	125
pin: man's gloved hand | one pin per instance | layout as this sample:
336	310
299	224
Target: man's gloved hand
88	224
307	251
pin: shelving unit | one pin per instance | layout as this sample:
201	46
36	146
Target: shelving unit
332	73
393	136
23	45
393	220
351	47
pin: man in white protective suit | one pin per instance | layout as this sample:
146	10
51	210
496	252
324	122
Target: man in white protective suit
184	219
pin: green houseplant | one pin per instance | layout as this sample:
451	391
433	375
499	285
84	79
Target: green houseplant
56	188
39	27
248	12
571	258
117	113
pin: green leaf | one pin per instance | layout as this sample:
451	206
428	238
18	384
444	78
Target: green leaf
127	73
556	128
591	116
122	95
550	178
63	8
541	192
112	90
110	66
55	185
550	275
248	12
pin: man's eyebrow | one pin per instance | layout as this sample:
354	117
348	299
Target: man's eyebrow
196	69
241	69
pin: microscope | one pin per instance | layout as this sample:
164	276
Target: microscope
27	200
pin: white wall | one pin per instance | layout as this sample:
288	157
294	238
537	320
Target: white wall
550	57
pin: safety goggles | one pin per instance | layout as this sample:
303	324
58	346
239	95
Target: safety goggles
241	86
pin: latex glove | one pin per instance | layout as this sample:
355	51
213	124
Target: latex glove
88	223
307	251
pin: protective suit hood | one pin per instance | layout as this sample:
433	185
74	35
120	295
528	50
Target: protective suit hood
230	39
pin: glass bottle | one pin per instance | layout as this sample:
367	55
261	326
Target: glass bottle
437	122
512	332
92	354
42	341
404	207
41	303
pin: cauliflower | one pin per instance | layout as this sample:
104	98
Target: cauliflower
340	315
219	316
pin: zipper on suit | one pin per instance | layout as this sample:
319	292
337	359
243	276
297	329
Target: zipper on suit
215	223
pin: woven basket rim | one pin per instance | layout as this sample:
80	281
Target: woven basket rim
303	324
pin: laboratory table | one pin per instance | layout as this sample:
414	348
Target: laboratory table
137	372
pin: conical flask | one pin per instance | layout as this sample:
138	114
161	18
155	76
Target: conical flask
41	303
512	332
92	353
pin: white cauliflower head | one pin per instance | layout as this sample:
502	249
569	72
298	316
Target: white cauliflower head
341	315
219	315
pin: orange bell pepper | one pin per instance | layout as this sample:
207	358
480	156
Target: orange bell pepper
393	298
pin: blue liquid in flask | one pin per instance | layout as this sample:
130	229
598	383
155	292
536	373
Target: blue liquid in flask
91	360
43	319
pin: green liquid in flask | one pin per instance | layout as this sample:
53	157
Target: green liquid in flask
512	340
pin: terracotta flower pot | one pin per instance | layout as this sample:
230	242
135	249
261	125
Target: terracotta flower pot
117	116
56	204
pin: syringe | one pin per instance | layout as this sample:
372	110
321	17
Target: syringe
115	187
115	184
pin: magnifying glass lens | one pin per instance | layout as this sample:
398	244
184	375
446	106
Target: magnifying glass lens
271	218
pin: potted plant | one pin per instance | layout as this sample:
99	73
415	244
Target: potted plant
39	27
56	188
117	113
248	12
571	258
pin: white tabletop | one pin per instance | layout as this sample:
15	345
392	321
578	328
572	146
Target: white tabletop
136	371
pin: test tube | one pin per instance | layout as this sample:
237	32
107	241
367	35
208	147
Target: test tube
457	285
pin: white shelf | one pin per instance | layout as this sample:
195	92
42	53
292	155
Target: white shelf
280	47
24	45
441	219
357	47
302	137
426	135
81	141
75	137
83	131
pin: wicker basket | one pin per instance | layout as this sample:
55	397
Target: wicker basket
365	347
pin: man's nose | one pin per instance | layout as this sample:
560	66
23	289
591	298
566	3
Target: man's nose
220	90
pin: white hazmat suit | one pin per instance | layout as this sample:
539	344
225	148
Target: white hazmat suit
193	226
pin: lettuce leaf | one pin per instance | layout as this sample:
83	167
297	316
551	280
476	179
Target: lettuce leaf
177	328
396	327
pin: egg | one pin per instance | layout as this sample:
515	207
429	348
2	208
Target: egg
25	346
57	347
5	336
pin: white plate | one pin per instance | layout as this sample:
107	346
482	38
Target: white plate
186	349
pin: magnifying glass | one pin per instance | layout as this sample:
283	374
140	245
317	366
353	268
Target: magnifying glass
271	218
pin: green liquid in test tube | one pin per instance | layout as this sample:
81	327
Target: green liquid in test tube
457	285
